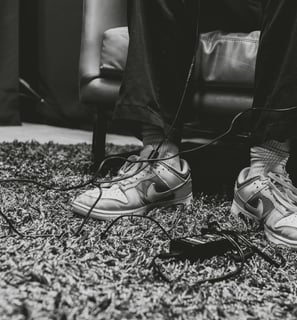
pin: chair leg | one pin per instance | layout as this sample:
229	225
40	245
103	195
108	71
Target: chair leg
99	139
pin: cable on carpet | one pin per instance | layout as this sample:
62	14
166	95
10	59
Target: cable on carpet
201	251
94	180
229	236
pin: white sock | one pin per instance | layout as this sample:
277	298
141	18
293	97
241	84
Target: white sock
271	156
153	135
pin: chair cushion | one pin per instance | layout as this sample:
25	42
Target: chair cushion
225	58
114	52
228	59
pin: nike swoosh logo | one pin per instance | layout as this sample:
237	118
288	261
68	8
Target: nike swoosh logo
257	211
153	195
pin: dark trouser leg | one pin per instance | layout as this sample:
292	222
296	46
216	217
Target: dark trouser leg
162	42
276	72
162	39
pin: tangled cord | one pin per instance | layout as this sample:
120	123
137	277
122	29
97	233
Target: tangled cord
153	158
231	236
155	265
235	239
165	256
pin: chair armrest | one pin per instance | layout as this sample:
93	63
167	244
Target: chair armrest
98	16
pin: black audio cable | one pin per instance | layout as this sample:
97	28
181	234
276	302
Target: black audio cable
152	159
154	155
157	269
34	95
235	239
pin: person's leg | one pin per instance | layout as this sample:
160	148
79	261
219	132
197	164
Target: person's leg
275	87
159	57
264	190
162	41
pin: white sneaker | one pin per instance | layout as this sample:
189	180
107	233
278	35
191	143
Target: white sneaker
260	199
154	185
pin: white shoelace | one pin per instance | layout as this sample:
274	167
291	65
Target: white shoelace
281	202
129	166
285	186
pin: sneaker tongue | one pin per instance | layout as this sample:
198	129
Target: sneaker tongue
146	152
129	166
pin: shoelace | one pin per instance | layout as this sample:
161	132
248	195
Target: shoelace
284	183
125	170
281	202
129	165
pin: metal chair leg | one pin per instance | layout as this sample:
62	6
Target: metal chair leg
99	139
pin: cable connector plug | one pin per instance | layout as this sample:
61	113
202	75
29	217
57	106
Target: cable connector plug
206	247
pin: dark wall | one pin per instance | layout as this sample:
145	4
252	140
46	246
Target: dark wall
9	68
55	51
28	56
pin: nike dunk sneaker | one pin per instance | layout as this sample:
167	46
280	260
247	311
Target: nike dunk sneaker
144	186
260	199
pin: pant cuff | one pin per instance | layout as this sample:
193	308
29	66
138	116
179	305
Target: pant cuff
143	114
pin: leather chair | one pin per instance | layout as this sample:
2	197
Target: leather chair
222	84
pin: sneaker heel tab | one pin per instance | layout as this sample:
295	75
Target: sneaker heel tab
185	168
242	177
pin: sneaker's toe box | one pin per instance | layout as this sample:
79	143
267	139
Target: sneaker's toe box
287	226
86	200
284	231
105	200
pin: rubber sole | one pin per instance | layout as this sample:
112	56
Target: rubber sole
110	215
279	240
271	236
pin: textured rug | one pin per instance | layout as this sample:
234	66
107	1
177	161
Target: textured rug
63	276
